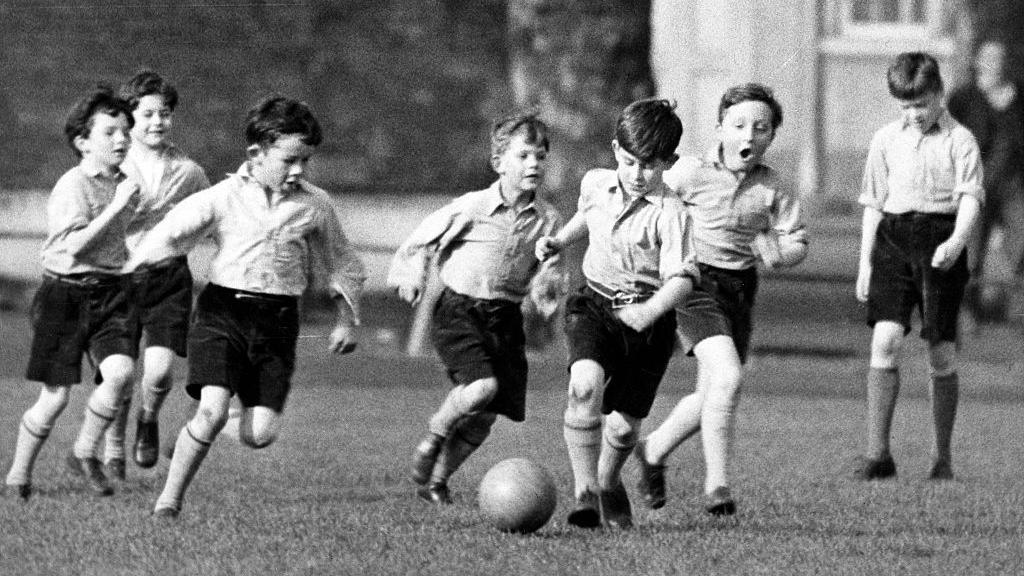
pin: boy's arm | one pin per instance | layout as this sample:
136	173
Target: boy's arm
345	273
177	233
79	240
785	244
573	231
549	284
868	226
947	253
408	272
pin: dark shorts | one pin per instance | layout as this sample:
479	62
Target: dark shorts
633	362
164	298
902	277
721	305
76	314
245	342
479	339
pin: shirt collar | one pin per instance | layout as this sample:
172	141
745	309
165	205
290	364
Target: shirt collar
245	175
95	172
943	124
495	200
655	197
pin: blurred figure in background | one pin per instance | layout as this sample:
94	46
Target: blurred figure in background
991	106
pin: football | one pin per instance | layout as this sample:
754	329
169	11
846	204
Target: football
517	495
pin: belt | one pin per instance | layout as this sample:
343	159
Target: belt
255	297
84	279
912	215
618	298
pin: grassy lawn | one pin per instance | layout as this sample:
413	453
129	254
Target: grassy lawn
332	496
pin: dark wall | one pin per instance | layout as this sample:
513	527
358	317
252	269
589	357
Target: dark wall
405	88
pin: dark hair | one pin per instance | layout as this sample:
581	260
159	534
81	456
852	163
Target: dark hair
279	116
533	129
649	129
102	100
148	83
913	75
751	91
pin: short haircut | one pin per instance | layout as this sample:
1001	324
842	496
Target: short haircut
279	116
533	129
149	83
102	100
649	129
751	91
913	75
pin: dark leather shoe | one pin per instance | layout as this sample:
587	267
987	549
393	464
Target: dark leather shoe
22	491
116	469
147	443
425	456
720	502
435	493
615	509
587	513
865	468
941	470
651	483
166	513
92	471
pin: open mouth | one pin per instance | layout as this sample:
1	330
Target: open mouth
745	153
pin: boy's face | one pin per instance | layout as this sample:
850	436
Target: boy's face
521	166
637	177
153	118
745	133
922	113
280	166
107	142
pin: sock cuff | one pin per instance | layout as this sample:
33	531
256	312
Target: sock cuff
197	440
103	412
38	430
948	379
626	446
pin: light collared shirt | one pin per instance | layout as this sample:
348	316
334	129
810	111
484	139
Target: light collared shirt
179	178
78	197
274	244
729	212
907	171
636	244
491	255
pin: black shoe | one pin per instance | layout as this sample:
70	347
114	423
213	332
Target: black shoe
92	471
941	470
651	483
425	456
587	513
147	443
865	468
435	493
116	468
22	491
615	509
166	513
720	502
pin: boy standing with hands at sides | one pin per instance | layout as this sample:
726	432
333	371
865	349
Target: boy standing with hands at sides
484	242
162	291
742	214
273	230
82	305
922	194
620	327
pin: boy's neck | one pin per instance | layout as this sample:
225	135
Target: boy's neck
513	196
93	165
147	153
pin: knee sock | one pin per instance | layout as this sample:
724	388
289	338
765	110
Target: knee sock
944	392
583	441
461	400
153	400
31	437
467	436
114	437
97	419
883	389
609	464
682	423
717	431
189	453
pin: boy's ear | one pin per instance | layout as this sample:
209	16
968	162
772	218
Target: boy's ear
80	143
496	163
252	151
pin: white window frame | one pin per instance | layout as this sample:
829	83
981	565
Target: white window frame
930	28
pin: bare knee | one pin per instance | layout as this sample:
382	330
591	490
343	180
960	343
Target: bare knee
886	341
259	427
621	430
208	421
586	382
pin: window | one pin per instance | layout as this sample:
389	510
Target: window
874	18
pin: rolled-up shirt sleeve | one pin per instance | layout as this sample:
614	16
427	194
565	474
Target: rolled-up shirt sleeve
874	185
968	169
412	259
678	257
334	257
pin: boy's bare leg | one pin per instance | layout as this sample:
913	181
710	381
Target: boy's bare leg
462	441
100	411
461	401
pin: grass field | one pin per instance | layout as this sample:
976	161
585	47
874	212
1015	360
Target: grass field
332	495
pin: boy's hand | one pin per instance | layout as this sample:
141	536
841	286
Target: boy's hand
766	249
863	283
410	293
637	316
125	192
946	254
546	247
343	339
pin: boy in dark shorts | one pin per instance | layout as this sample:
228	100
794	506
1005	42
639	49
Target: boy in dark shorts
922	194
638	267
163	291
484	244
273	230
742	214
82	305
